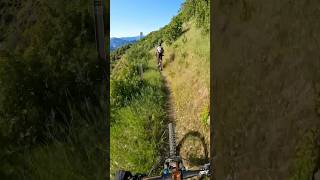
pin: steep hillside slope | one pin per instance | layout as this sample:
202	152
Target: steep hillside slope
187	73
137	112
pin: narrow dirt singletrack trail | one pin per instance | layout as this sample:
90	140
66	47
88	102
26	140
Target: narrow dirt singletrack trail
185	97
170	111
190	143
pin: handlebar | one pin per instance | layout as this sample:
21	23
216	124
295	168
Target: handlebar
174	162
157	178
185	175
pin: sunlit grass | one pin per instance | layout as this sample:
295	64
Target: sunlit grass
137	126
189	73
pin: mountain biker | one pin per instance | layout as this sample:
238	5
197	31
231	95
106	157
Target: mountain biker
159	54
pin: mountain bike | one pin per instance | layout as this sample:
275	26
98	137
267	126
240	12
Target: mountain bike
159	61
173	168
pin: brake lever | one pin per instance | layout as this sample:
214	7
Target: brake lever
205	167
205	170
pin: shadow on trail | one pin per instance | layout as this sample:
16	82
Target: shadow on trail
192	159
169	118
169	107
163	149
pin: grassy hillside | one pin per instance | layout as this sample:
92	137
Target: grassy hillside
187	71
137	112
52	95
138	104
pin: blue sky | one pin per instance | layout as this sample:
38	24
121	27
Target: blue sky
130	17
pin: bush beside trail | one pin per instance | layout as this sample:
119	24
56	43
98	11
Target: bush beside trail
137	112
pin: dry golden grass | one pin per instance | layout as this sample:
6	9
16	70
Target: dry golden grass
187	71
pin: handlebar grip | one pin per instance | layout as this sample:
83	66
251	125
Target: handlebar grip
152	178
157	178
190	173
185	175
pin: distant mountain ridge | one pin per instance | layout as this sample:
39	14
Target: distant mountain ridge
116	42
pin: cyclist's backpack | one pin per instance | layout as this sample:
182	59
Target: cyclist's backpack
160	50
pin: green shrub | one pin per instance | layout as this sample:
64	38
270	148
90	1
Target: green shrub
203	14
199	10
137	110
50	65
204	116
173	30
117	54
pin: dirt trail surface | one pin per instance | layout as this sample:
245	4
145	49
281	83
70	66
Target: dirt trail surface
192	145
170	112
267	91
